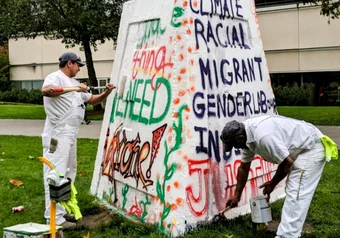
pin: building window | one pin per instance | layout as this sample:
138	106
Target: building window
16	84
37	84
29	85
26	85
102	82
265	3
325	85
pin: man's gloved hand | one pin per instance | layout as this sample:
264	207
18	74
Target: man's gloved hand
233	201
109	87
83	88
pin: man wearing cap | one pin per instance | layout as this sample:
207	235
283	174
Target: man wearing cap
64	114
296	146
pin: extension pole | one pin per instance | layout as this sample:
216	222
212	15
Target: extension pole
53	208
53	205
73	89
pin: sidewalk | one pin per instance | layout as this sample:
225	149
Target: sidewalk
35	128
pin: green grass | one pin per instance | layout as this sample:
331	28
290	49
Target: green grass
35	112
329	116
18	160
21	111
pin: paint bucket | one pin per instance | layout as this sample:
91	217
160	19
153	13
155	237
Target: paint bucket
260	209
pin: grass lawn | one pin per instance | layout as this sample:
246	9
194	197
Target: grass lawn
26	111
18	160
329	116
22	111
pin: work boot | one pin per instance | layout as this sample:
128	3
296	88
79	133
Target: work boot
70	217
68	225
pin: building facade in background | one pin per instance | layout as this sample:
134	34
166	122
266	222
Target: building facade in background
32	60
300	46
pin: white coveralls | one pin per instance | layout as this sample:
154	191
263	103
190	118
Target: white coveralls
64	114
276	137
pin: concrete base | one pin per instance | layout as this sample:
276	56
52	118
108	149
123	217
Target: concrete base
31	230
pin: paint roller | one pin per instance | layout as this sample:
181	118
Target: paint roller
121	88
72	89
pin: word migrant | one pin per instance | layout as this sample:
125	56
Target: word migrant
228	72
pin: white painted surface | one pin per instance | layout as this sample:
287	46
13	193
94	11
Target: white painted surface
160	159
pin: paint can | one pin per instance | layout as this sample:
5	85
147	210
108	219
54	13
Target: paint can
260	209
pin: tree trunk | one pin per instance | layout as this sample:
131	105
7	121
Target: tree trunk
90	70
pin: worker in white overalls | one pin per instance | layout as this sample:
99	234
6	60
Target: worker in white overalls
64	114
298	147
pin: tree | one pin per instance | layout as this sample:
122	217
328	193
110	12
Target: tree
329	8
5	83
3	17
84	23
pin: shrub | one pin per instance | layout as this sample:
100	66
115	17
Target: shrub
294	95
8	96
35	97
22	96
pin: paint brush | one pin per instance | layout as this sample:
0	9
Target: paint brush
218	216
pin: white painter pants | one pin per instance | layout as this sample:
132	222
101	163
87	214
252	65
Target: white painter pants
300	187
64	157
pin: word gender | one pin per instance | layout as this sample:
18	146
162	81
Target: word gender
214	105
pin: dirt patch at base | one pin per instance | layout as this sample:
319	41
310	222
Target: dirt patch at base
93	221
273	225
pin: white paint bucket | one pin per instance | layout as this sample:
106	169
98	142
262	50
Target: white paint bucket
260	209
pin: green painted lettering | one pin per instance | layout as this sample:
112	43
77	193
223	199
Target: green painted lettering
159	83
176	13
118	113
112	118
136	107
142	119
151	28
128	99
136	100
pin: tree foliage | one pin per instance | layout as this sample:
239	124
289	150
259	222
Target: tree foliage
75	22
329	8
5	83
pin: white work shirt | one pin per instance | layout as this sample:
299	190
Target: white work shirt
57	107
276	137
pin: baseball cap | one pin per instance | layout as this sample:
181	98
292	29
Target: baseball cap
73	57
229	132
